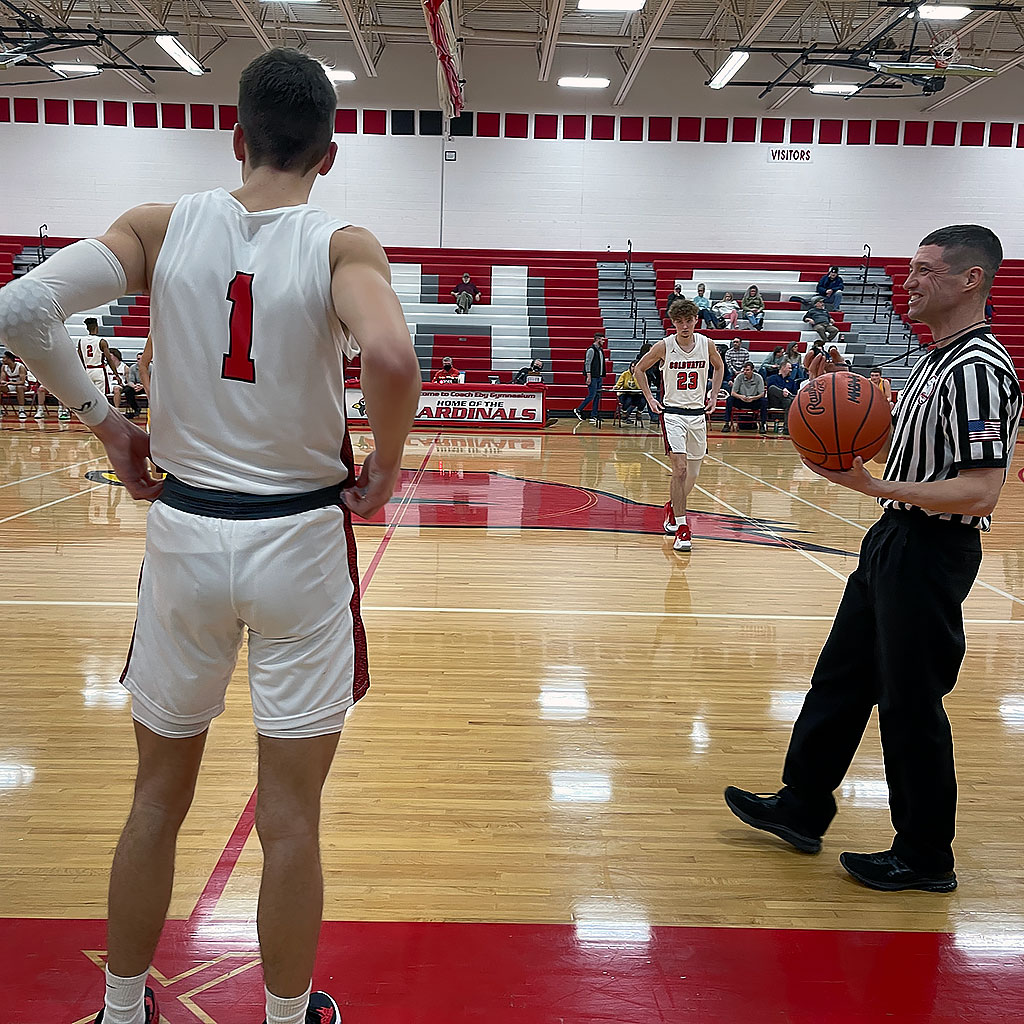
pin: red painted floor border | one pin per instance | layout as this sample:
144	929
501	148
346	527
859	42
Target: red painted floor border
437	973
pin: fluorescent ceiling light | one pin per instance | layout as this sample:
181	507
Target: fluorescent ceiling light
11	57
727	71
178	53
68	70
835	88
573	82
931	12
290	1
340	76
618	6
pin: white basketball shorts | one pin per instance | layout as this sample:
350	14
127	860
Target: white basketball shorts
291	582
685	434
98	375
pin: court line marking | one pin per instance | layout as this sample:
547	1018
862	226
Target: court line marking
39	476
217	883
50	504
758	526
850	522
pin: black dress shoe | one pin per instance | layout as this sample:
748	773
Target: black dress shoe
888	872
764	812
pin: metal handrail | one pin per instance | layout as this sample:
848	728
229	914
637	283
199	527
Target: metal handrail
628	267
41	251
867	261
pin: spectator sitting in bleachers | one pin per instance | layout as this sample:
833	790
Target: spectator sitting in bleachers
13	381
727	309
447	374
533	370
880	382
782	388
466	293
736	356
126	385
793	356
748	389
990	310
630	398
706	315
819	320
830	288
676	295
773	362
653	378
752	308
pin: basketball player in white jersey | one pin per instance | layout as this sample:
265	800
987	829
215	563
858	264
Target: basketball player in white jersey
95	355
264	296
13	380
687	360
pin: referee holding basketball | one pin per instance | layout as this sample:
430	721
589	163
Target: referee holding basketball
898	636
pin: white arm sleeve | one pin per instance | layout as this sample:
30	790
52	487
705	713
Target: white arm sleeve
32	313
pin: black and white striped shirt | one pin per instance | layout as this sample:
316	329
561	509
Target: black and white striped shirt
960	410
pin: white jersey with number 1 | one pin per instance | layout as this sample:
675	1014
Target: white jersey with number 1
685	373
243	301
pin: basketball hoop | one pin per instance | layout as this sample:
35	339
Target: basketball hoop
945	49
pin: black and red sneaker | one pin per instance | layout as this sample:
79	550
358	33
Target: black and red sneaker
152	1013
322	1009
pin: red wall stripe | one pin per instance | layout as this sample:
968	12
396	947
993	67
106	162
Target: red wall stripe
55	111
86	112
144	115
346	122
1000	134
488	126
517	126
773	129
5	109
830	132
631	129
574	126
944	133
887	133
1020	136
659	129
172	115
716	129
915	133
602	127
227	118
801	130
202	116
972	133
545	126
26	111
688	129
744	129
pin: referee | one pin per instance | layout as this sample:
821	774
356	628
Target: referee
898	637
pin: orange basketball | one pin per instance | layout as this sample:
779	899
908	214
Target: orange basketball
837	417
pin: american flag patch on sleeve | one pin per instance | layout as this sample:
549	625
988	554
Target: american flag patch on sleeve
983	430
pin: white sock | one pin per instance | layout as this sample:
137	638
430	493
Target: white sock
125	1001
287	1011
681	520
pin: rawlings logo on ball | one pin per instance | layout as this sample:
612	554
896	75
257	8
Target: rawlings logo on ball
814	403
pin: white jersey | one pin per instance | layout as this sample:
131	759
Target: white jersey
685	374
248	384
89	350
11	375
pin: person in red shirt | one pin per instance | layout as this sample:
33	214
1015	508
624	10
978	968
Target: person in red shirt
447	374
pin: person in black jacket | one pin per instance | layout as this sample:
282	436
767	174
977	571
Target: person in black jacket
533	370
830	287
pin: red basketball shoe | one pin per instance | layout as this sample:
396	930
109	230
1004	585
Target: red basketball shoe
152	1013
682	541
670	518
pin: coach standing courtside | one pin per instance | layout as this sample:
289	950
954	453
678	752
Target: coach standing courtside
898	636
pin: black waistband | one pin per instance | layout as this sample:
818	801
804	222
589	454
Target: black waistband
918	517
684	412
235	505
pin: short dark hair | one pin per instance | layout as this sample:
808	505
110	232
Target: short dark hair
597	334
90	321
286	106
683	309
748	363
968	245
874	369
116	352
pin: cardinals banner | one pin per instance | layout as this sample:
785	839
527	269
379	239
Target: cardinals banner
467	407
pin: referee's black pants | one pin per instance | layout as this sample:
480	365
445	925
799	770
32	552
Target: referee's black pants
898	642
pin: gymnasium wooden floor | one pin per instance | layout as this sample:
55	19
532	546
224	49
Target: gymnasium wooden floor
525	821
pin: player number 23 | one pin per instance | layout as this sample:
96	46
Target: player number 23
686	381
238	364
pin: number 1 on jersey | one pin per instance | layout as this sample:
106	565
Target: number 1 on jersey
238	364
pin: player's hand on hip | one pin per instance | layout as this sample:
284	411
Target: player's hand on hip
127	447
373	488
